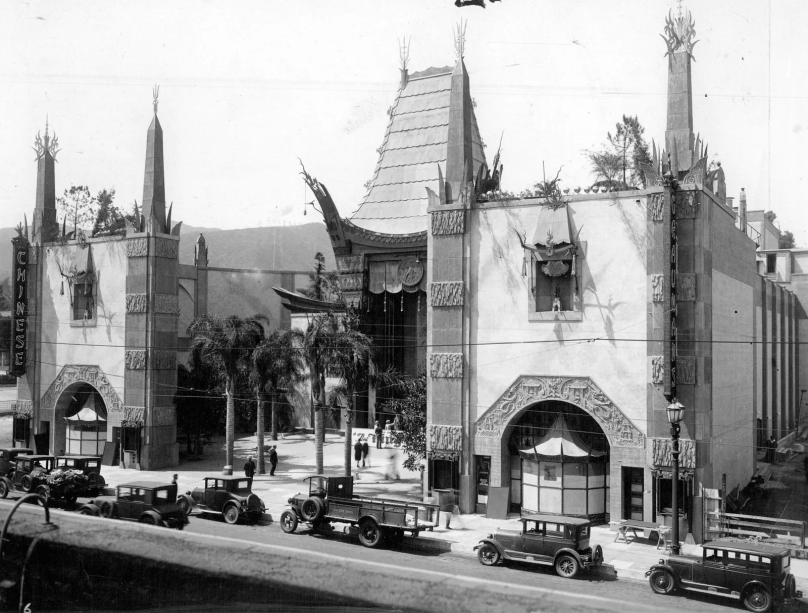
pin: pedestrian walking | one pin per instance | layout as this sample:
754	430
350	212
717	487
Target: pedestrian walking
378	431
273	459
174	480
249	467
365	453
357	450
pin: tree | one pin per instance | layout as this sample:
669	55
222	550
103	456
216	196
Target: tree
227	343
323	284
277	364
412	424
196	410
618	164
78	206
786	240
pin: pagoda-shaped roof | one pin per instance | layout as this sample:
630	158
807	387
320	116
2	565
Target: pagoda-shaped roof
415	145
561	444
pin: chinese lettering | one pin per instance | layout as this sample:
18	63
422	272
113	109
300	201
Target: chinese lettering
20	309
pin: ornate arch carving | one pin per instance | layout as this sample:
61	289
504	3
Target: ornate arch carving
82	374
580	391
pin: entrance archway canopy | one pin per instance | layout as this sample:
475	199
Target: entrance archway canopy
560	444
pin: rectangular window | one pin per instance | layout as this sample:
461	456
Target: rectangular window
83	301
771	263
124	493
161	494
554	288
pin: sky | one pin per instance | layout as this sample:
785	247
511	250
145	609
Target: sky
247	88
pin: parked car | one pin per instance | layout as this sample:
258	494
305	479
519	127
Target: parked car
228	496
331	499
146	502
551	540
757	575
8	458
30	472
89	465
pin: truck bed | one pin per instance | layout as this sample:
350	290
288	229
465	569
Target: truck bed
407	515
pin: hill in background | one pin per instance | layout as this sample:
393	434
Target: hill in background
278	248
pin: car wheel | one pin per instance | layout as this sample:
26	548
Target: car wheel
43	491
27	484
791	587
757	599
370	535
597	556
148	519
488	555
107	509
3	489
662	582
566	566
230	514
288	521
101	481
184	504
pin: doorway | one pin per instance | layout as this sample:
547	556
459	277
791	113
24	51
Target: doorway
633	486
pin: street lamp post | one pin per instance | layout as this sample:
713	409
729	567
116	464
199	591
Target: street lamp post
676	412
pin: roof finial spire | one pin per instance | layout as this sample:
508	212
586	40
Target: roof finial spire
460	39
404	52
156	94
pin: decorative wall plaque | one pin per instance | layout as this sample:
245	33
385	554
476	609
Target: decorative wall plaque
580	391
446	364
657	285
448	222
445	438
24	408
166	303
655	204
662	452
137	247
354	282
135	359
411	271
686	370
166	248
657	369
136	303
85	374
350	263
686	287
133	416
446	294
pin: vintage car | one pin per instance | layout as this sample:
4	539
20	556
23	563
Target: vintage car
30	472
331	499
552	540
147	502
228	496
89	465
757	575
8	457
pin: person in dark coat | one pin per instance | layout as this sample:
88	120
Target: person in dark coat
273	459
377	430
772	444
357	451
249	467
365	452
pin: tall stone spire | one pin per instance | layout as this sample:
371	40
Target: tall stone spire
154	184
459	158
679	139
45	227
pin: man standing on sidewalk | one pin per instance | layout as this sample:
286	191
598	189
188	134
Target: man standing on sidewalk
378	431
273	459
249	467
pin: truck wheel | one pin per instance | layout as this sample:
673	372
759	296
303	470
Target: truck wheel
566	566
288	521
312	509
370	535
27	484
3	489
757	599
662	582
230	514
43	491
488	555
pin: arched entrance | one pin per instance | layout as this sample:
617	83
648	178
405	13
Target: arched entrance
80	421
559	461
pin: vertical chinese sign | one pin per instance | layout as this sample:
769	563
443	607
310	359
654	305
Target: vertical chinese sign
19	323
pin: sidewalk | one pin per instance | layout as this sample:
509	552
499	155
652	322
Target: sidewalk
296	461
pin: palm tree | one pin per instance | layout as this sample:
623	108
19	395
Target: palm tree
276	364
227	343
